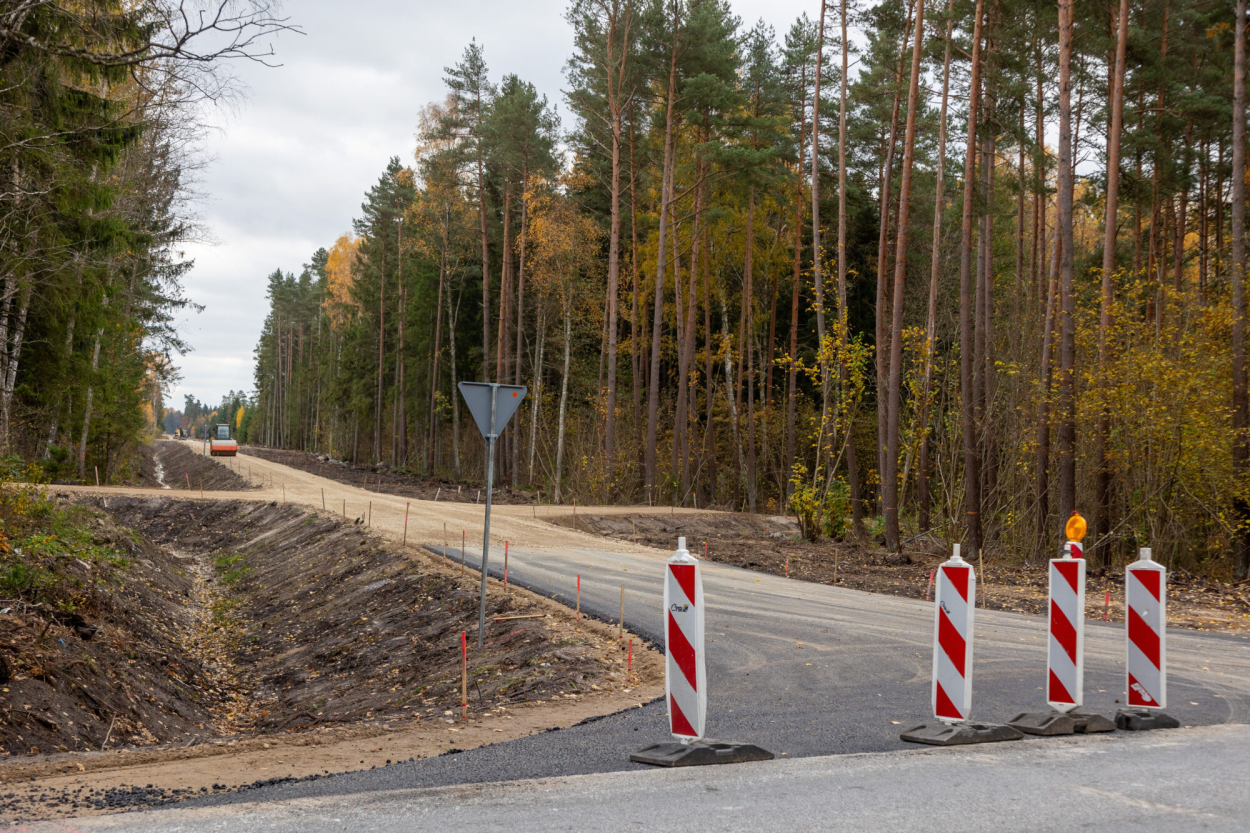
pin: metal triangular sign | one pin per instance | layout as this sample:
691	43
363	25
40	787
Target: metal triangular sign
477	397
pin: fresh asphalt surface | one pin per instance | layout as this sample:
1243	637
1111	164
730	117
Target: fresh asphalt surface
1158	781
802	670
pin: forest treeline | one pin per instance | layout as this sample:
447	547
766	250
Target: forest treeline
946	270
100	109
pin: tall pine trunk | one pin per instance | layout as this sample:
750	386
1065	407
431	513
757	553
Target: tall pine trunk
972	467
1067	295
1102	515
893	538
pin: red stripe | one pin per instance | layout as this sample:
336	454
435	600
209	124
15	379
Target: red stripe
684	573
682	652
1150	580
1136	697
958	577
1069	570
677	720
1143	636
953	645
1058	692
1063	632
944	707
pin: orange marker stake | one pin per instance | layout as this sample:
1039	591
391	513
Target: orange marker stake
705	550
787	566
930	587
1106	608
629	663
188	481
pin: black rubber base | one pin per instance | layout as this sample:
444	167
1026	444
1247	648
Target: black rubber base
700	753
1050	724
941	734
1144	720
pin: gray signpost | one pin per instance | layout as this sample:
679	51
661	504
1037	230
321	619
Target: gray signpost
492	405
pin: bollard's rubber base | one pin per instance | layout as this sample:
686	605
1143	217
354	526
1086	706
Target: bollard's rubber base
700	753
1046	724
941	734
1144	720
1051	724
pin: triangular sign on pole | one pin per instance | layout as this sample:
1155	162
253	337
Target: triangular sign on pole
477	396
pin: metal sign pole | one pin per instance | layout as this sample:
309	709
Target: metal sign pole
490	479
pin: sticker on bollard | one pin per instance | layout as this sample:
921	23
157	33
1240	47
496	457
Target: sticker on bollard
685	676
954	619
1065	647
1146	612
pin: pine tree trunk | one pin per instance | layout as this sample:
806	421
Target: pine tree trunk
748	302
893	536
972	468
564	395
796	286
934	273
1067	294
666	186
883	248
438	334
1241	418
818	281
1102	515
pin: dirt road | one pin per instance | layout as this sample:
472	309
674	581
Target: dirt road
523	527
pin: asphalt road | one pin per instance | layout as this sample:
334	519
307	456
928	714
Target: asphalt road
802	670
1181	780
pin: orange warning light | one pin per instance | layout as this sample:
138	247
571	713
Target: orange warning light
1075	527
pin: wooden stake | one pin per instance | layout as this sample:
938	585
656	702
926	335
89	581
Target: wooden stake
370	513
462	552
344	508
505	566
444	542
464	675
323	499
97	476
406	505
438	492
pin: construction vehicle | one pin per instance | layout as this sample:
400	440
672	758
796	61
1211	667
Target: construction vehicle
221	444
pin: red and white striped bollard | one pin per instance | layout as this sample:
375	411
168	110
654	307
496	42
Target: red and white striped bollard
1065	648
685	678
1146	610
953	621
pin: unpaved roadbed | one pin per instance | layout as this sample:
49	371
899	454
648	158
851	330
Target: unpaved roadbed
384	481
771	544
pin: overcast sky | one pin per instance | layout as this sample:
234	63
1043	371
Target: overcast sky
290	166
